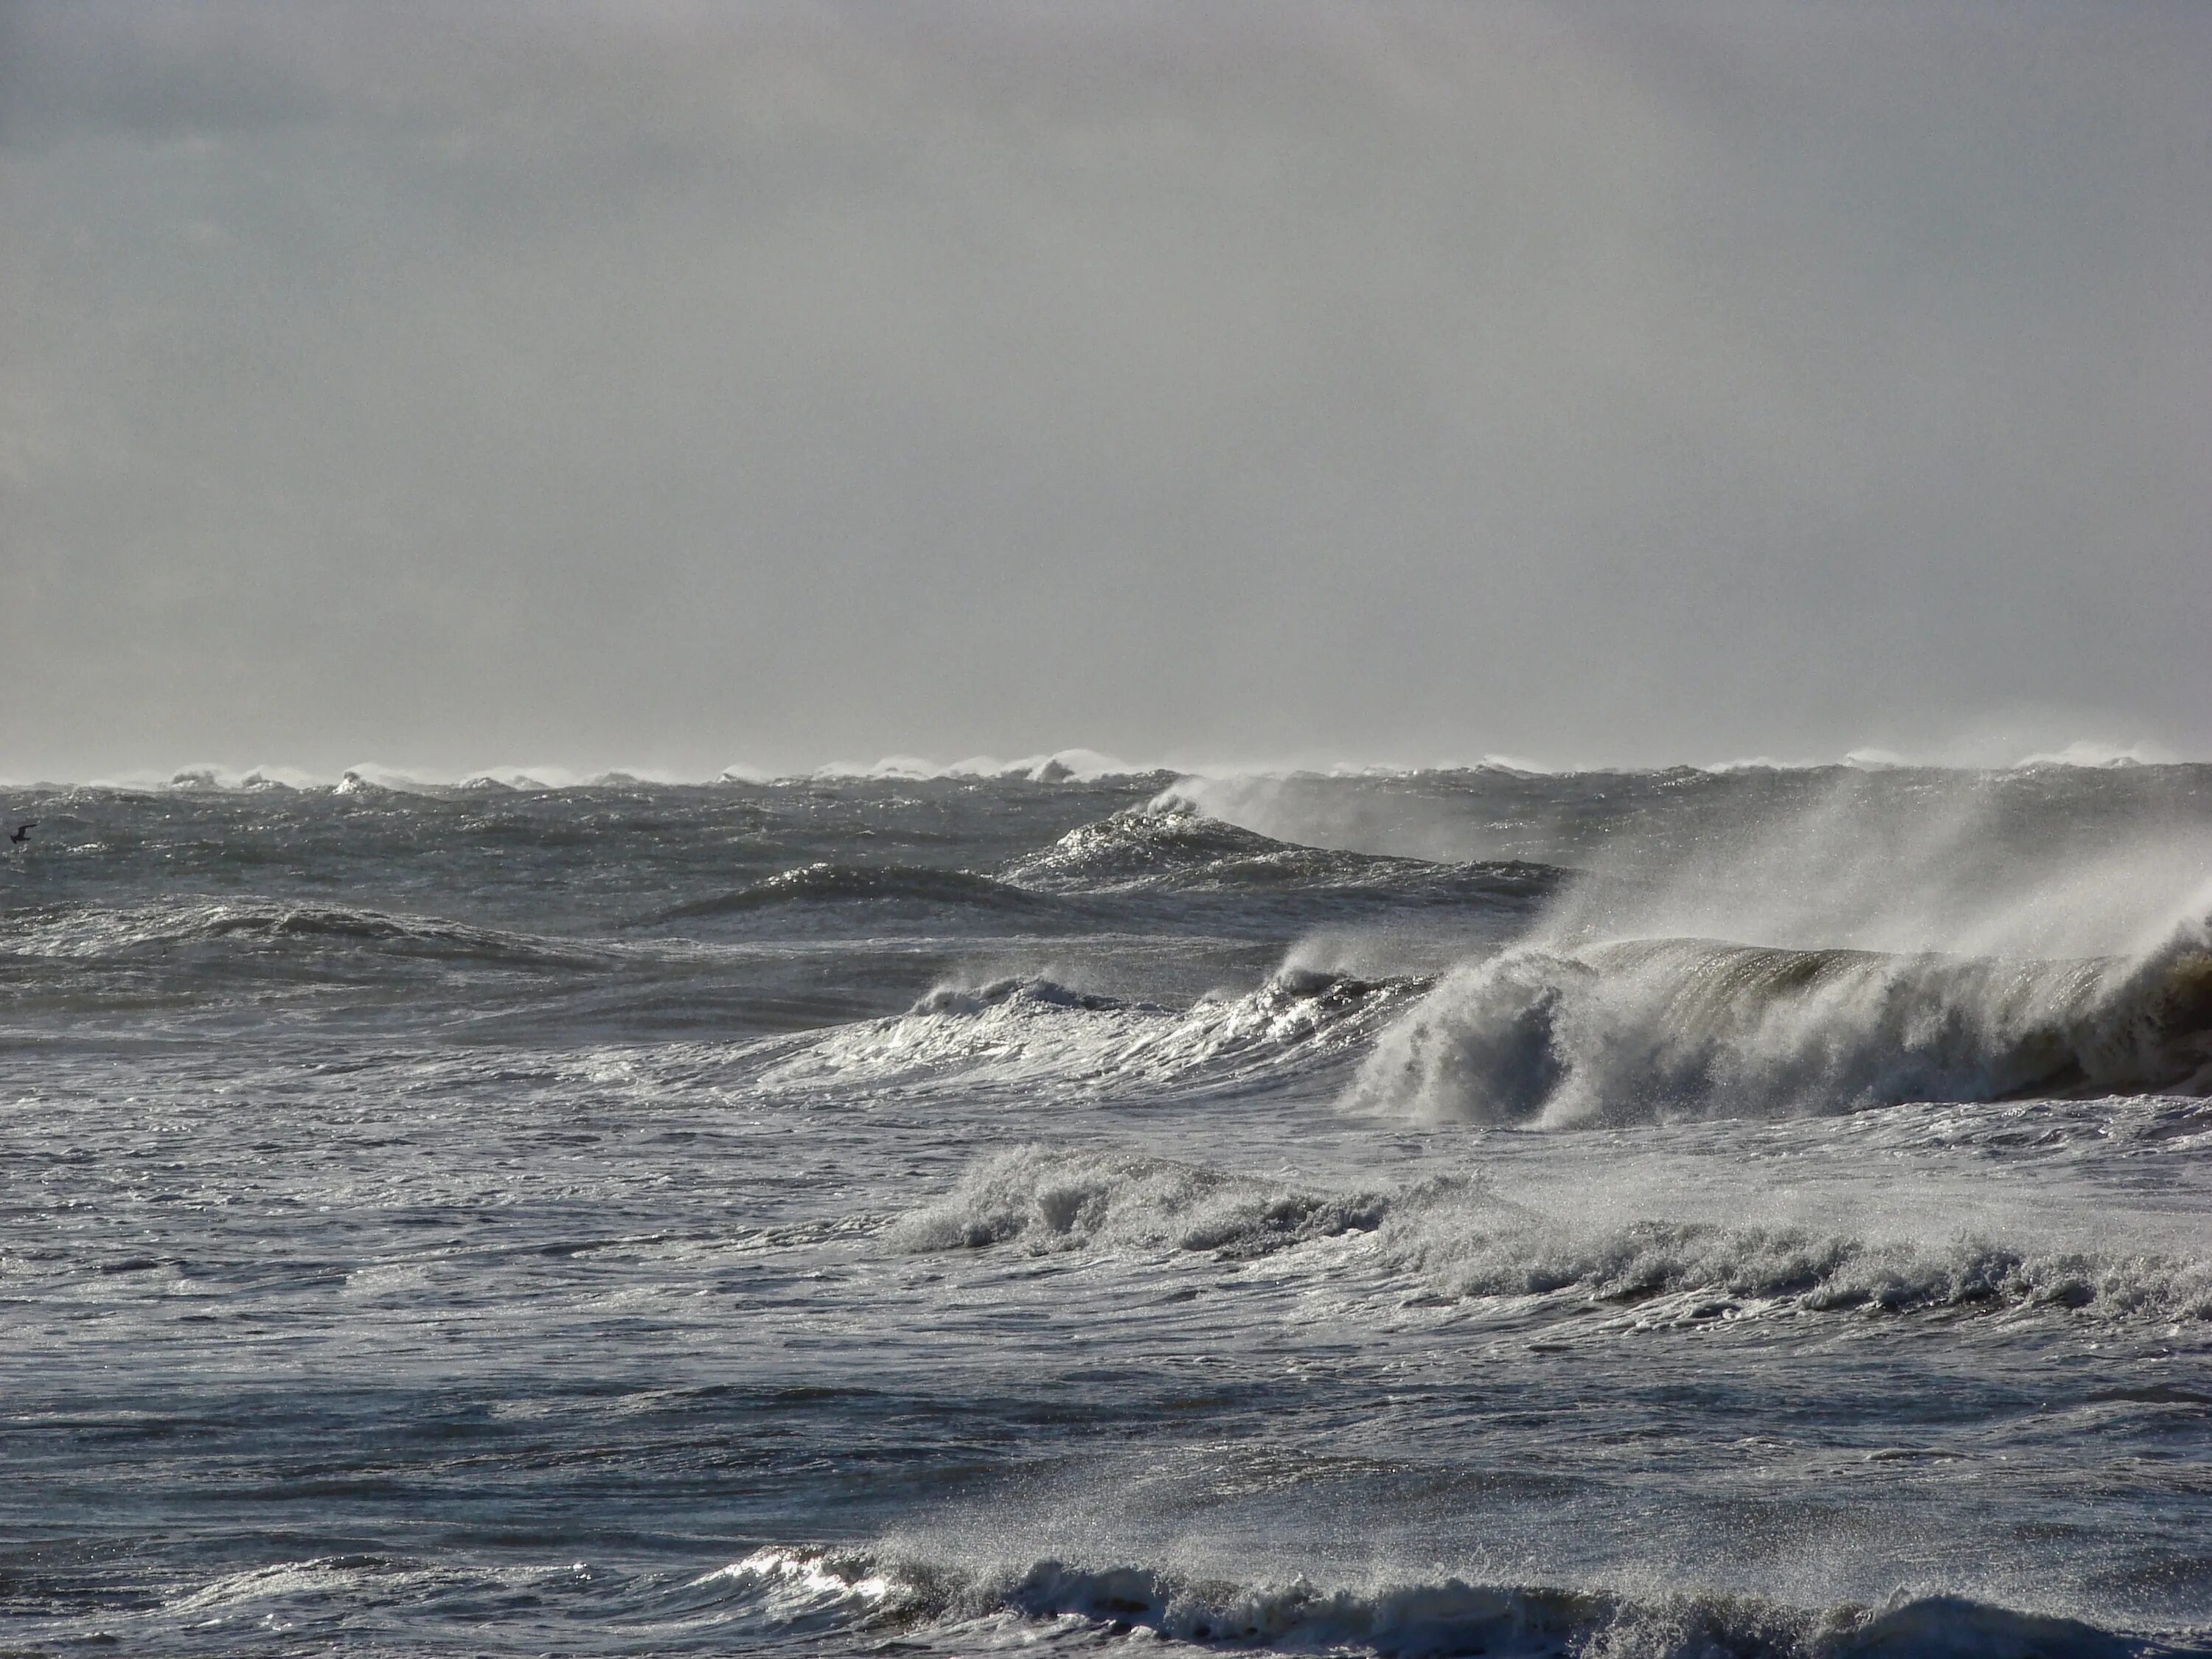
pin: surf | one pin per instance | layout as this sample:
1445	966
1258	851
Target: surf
896	1595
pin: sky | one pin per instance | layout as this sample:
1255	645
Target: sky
672	387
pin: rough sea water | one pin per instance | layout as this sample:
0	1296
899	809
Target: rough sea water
1755	1213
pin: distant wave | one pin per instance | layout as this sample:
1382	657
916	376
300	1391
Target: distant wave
369	783
1661	1028
1076	766
1087	767
91	931
1177	849
1035	1031
889	1589
1460	1240
1063	766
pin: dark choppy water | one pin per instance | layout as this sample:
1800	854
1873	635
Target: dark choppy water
1475	1213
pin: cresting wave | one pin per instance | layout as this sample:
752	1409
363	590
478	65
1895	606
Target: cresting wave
1659	1028
1169	845
889	1592
1461	1240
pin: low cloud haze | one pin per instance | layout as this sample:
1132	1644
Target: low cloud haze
671	386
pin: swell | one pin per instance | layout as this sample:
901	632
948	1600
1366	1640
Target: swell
94	933
848	884
887	1591
1173	849
1172	857
1460	1240
1682	1028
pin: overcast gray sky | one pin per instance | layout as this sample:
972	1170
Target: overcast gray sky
671	385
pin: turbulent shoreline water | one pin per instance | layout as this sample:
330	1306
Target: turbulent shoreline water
1760	1212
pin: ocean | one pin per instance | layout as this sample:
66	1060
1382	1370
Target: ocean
1739	1212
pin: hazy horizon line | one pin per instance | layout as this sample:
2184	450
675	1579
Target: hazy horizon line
1073	764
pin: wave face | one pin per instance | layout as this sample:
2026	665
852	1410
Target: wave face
1669	1027
939	1212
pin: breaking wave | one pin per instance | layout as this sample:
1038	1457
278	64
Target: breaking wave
1046	1200
1669	1028
1037	1032
889	1591
1460	1240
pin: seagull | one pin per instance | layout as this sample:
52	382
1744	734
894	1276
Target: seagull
23	832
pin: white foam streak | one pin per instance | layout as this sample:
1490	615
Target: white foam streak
797	1582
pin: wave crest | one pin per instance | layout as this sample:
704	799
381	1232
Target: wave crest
1039	1033
1462	1241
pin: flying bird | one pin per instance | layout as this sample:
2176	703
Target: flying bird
23	832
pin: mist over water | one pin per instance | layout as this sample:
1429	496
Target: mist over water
1407	1214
